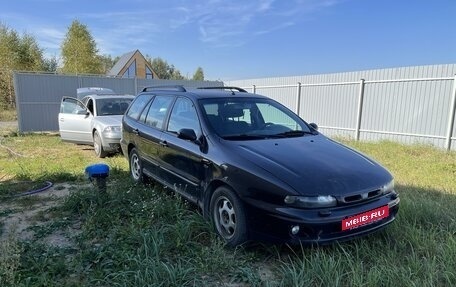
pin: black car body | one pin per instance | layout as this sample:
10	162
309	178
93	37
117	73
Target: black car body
256	169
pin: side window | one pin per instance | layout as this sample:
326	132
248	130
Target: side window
72	106
142	117
184	116
158	110
85	100
138	105
89	105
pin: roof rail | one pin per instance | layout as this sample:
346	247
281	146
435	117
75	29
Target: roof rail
176	88
224	88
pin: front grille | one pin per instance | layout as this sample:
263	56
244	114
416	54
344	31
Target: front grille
360	196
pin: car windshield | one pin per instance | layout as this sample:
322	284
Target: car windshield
112	106
252	118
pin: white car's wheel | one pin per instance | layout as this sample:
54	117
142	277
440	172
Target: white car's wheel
98	146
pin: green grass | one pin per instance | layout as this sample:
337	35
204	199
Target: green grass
7	115
139	235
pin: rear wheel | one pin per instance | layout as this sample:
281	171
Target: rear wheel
98	146
228	216
135	166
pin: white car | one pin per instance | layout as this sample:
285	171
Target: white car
94	120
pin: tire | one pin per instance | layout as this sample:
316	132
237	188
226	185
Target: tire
228	216
135	164
98	146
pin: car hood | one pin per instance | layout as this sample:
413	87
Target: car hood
314	165
109	120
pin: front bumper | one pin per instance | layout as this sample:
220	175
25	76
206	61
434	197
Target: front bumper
316	226
111	141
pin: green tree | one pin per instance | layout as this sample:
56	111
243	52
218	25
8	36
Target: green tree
9	42
107	62
198	75
29	55
79	51
164	70
160	67
51	64
170	72
20	53
175	74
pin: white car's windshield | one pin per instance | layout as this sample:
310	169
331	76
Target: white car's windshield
112	106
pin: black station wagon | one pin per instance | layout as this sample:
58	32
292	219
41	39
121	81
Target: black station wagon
256	169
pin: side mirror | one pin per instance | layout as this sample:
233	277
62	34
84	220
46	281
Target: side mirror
187	134
314	126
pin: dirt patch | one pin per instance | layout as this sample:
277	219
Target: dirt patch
13	125
20	220
7	128
266	273
58	239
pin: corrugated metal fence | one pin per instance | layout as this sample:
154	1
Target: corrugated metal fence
38	96
411	105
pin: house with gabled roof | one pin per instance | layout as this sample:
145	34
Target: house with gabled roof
132	65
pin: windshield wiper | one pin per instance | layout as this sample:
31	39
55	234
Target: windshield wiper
244	137
287	134
290	134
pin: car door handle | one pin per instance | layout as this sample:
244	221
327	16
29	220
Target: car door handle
163	143
135	131
62	119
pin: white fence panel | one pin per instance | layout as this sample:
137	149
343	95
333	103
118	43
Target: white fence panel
410	105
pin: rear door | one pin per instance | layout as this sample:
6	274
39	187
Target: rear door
149	134
75	121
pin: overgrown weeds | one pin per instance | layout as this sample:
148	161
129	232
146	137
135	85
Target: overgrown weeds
7	115
11	251
136	235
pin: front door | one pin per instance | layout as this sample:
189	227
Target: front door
180	159
75	121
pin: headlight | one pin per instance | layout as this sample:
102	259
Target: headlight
388	187
112	129
311	201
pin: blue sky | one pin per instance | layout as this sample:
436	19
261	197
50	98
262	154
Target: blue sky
242	39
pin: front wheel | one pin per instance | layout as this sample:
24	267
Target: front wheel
228	216
98	146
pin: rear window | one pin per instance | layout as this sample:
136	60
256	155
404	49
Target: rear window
158	111
138	105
